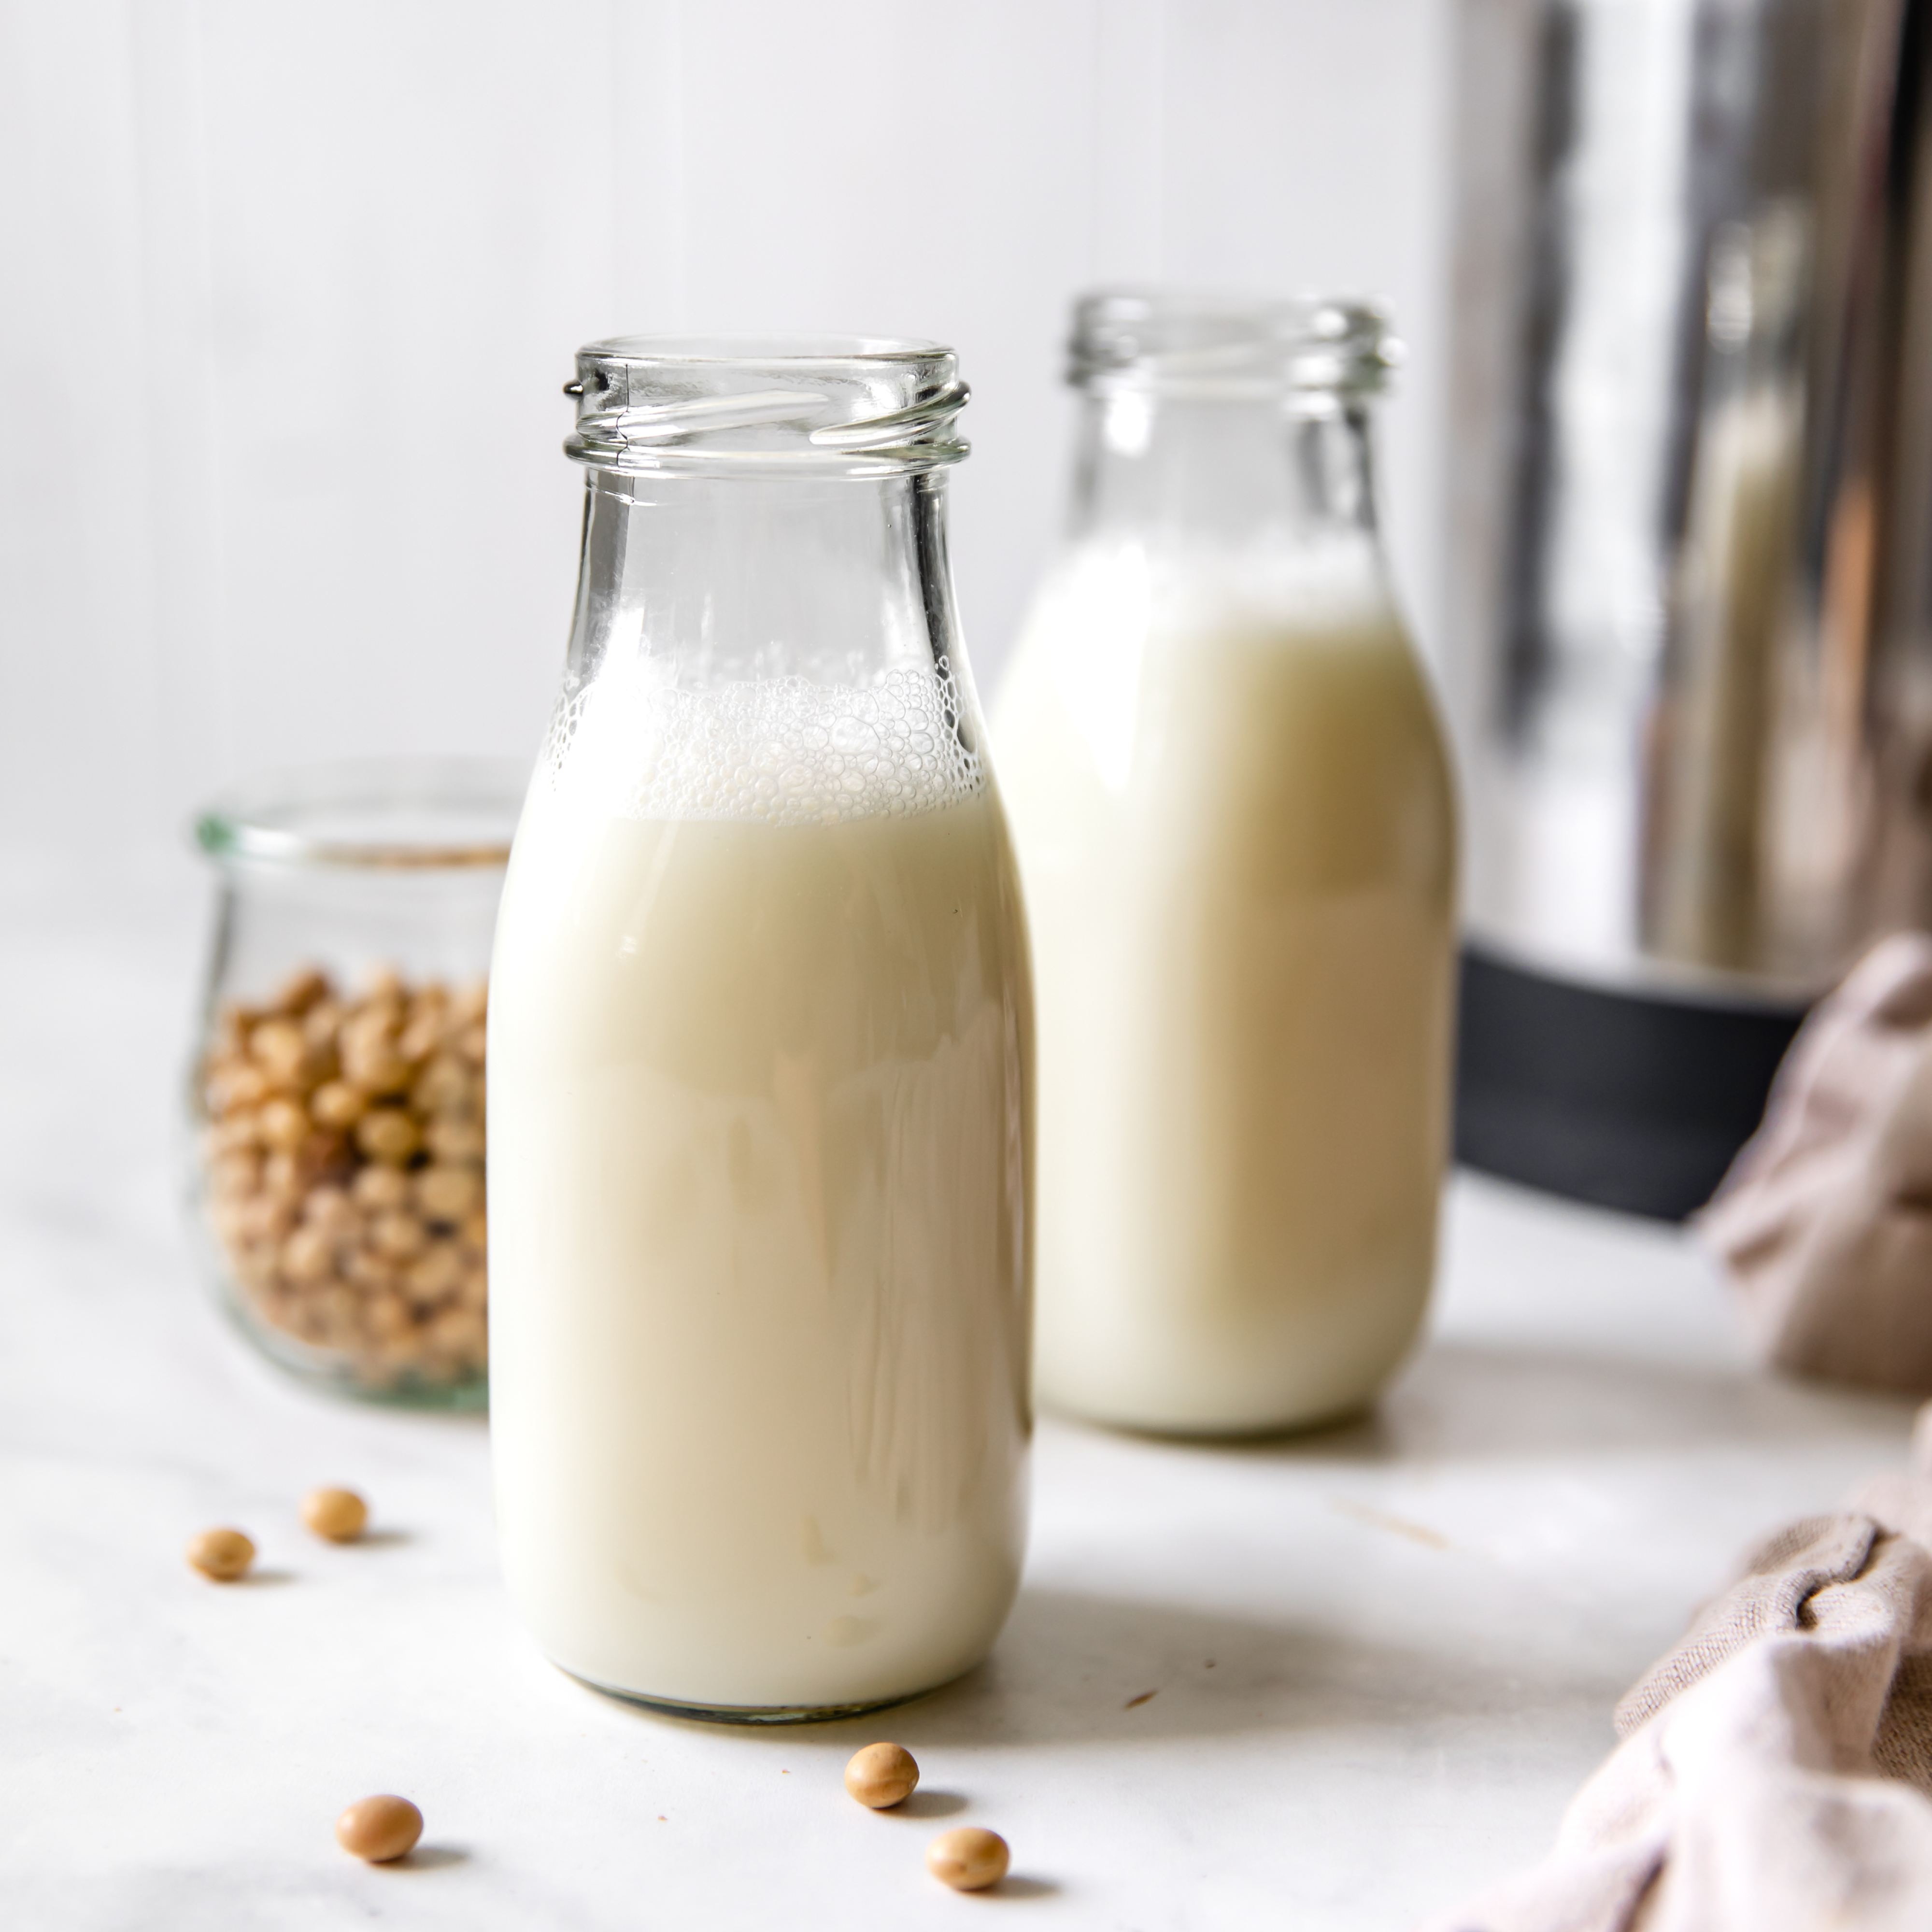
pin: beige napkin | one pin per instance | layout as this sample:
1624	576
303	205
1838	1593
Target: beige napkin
1825	1222
1775	1773
1775	1767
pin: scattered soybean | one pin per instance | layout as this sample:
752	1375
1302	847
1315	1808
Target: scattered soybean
337	1516
882	1775
968	1858
379	1829
223	1554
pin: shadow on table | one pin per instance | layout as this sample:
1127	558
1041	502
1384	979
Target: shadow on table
1073	1667
1464	1401
431	1857
926	1804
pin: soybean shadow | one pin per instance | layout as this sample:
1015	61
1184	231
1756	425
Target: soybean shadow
923	1804
432	1858
1023	1887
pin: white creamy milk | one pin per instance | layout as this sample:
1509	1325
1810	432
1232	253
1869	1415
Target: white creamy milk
1237	838
758	1275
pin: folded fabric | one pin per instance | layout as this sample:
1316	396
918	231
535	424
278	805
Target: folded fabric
1824	1223
1775	1773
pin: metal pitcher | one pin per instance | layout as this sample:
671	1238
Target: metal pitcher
1689	615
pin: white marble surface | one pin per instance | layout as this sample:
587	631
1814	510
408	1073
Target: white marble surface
1381	1660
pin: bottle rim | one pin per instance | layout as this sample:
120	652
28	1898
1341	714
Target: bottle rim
386	815
763	346
1213	345
804	405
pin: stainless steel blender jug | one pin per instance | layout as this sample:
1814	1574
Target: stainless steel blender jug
1689	619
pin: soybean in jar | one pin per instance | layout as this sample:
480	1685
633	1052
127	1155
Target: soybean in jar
337	1101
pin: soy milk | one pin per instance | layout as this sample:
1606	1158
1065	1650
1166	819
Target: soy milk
759	1050
1232	812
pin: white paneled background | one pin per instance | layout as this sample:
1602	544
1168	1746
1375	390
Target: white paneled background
290	290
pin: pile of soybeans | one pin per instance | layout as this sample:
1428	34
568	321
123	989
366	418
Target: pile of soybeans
343	1153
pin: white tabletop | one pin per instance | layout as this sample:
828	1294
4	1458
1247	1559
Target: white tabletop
1380	1659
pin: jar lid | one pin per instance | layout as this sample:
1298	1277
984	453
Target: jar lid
808	405
1230	347
376	814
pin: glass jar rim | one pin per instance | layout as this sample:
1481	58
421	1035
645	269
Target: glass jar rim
1219	344
799	405
762	348
379	814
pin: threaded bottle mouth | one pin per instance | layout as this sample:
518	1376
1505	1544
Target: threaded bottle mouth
1191	343
848	406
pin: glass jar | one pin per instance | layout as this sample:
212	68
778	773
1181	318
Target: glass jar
1233	811
760	1060
337	1103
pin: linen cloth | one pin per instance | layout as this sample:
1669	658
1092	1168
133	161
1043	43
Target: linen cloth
1775	1770
1775	1773
1824	1223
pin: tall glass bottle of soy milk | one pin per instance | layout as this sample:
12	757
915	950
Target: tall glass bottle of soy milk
1236	828
761	1060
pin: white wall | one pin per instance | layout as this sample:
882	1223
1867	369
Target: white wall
290	291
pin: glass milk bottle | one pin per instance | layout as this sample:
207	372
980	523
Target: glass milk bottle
1235	825
761	1060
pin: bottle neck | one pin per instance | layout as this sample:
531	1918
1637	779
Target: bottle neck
1175	472
706	581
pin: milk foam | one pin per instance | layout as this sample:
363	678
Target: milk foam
779	751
